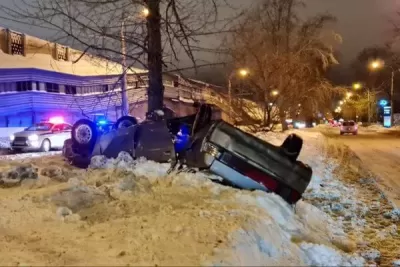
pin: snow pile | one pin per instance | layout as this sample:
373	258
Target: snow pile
275	234
25	156
4	142
124	211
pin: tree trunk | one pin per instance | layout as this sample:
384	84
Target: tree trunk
282	117
155	91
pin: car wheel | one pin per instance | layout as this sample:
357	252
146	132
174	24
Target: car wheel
292	146
125	122
355	133
341	133
46	146
84	133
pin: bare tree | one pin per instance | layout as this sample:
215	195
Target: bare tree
157	33
286	56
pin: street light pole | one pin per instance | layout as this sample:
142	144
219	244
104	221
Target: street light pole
243	73
230	95
391	99
124	95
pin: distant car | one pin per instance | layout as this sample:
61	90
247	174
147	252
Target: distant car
42	136
349	127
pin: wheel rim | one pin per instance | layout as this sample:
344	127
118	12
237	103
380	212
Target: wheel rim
83	134
125	124
46	146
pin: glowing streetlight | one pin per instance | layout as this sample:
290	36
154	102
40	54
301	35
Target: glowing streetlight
243	72
376	64
357	86
274	93
340	102
145	12
349	94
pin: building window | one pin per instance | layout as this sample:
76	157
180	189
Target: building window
61	52
105	88
70	89
17	43
52	88
24	86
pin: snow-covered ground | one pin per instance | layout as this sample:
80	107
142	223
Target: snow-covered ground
122	211
4	142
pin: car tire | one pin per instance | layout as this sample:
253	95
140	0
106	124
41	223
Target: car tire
355	133
125	122
46	146
292	146
341	133
84	133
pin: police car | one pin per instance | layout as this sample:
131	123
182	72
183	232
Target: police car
42	136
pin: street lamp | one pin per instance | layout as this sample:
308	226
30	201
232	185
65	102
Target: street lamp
376	64
145	12
379	64
357	86
349	94
340	102
242	73
275	93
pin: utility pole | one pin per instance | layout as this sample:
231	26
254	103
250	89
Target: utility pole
369	105
230	96
391	99
124	95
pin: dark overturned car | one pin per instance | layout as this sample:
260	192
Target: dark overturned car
201	143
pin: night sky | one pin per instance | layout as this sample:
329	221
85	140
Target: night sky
361	23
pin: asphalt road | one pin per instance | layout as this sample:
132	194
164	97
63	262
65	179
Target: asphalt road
380	151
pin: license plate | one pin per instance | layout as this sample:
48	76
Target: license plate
349	129
19	143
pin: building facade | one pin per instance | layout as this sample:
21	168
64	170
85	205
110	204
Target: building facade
40	79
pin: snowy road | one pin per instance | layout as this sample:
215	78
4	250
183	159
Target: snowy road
380	151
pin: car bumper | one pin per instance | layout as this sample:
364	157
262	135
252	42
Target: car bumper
27	146
236	178
348	131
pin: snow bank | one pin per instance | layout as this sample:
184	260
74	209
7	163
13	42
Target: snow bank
4	142
124	211
275	233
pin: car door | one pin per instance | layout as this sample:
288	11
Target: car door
66	132
56	136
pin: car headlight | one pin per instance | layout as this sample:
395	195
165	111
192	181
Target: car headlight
12	137
211	149
33	137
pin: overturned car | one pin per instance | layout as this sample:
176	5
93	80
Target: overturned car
200	143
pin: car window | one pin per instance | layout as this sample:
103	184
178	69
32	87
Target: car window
346	123
40	127
58	127
352	123
67	127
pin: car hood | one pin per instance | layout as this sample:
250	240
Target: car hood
28	133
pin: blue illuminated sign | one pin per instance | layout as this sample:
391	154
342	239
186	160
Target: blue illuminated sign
387	112
383	102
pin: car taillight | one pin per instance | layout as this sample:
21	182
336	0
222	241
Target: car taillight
294	196
263	179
